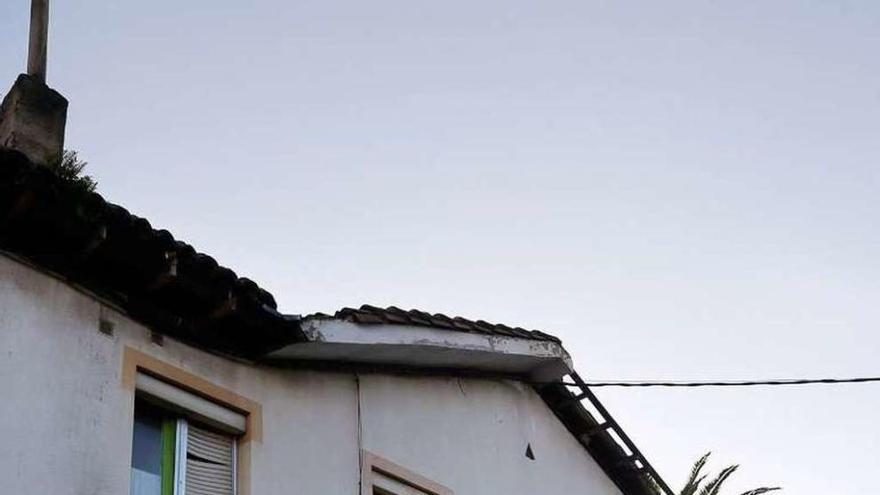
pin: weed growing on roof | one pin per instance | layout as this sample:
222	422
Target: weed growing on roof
70	168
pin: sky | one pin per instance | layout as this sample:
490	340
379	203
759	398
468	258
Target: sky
679	190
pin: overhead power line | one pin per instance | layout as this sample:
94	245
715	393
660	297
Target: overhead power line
732	383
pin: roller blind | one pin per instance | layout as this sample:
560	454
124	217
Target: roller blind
206	461
178	399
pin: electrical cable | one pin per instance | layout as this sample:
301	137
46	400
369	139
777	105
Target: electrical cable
731	383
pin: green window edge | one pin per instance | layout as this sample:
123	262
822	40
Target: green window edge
169	447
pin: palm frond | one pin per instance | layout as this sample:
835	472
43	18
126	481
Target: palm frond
697	485
762	490
695	480
714	486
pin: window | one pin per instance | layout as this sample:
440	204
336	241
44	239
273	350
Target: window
152	446
383	477
182	444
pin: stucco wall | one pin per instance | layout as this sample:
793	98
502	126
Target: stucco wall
66	418
471	436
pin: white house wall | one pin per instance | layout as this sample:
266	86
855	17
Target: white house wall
66	419
471	436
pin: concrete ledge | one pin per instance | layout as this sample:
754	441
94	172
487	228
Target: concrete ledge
425	347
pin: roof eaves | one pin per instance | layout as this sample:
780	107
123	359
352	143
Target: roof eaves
164	283
596	439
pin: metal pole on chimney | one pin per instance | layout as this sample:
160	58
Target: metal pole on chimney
39	39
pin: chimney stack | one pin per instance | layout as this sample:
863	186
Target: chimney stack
32	120
33	115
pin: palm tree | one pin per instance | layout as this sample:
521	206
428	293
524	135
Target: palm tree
698	485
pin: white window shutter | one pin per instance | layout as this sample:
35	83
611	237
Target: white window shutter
209	465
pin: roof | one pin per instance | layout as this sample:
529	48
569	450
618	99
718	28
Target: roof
629	471
373	315
175	290
160	281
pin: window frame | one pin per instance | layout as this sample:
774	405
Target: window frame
174	430
373	464
136	362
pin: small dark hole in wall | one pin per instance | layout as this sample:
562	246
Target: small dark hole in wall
529	453
157	338
105	327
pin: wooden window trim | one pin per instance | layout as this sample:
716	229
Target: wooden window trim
372	463
134	361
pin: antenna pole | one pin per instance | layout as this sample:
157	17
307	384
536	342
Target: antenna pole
39	40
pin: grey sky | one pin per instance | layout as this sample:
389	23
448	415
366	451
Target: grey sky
677	189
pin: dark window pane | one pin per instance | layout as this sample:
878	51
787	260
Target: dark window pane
146	452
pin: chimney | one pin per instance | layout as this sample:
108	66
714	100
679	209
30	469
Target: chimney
32	120
33	115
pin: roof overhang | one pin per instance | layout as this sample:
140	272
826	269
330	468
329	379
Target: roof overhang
73	234
165	284
419	347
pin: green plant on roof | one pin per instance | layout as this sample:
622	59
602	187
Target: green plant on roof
70	168
701	484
